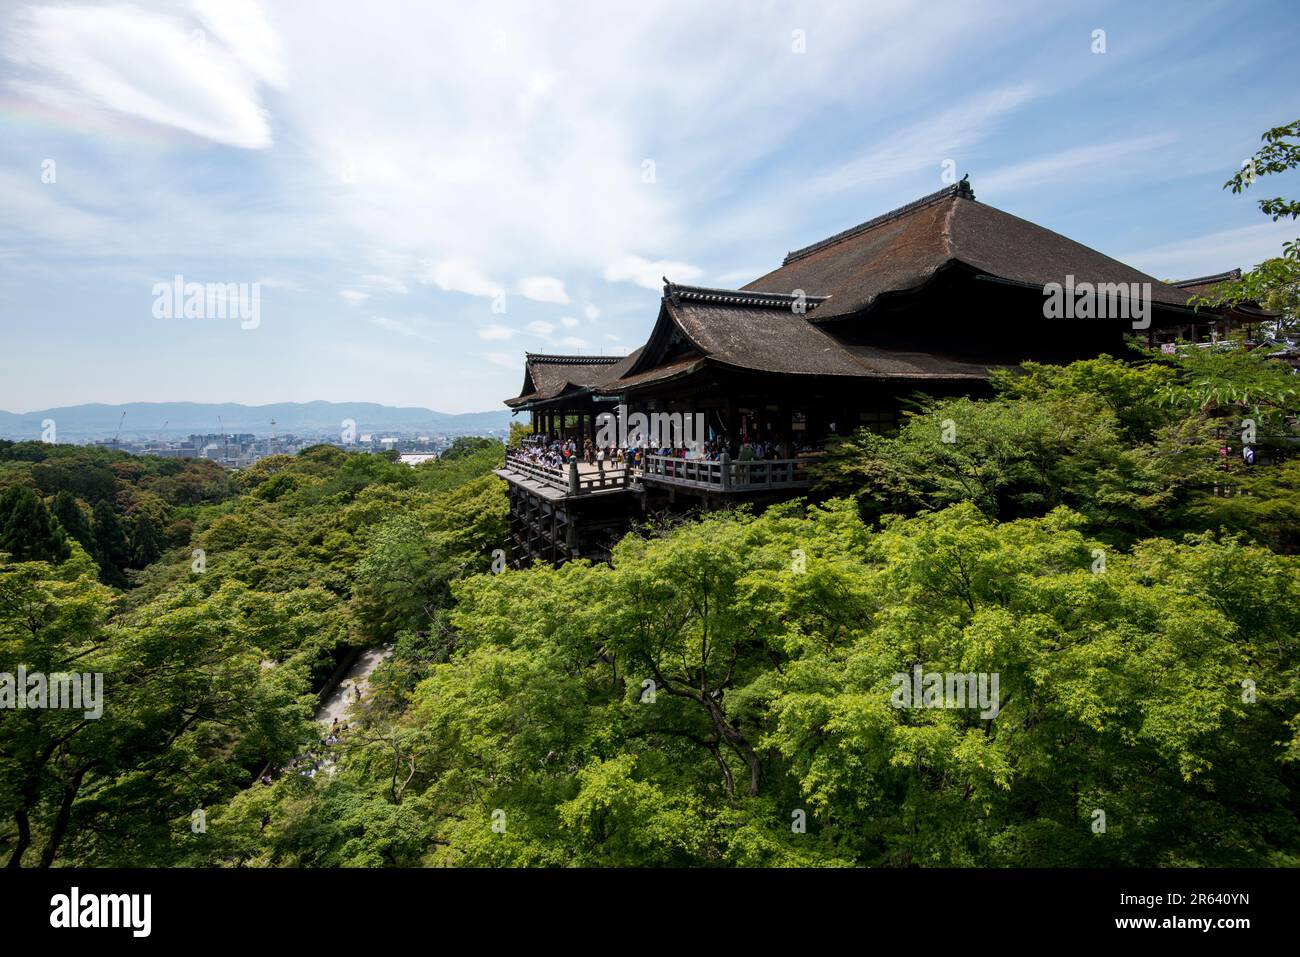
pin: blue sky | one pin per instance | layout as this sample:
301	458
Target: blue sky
388	172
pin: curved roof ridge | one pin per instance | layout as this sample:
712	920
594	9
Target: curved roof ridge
1203	280
545	358
737	297
962	189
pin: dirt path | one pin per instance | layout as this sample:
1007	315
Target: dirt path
345	694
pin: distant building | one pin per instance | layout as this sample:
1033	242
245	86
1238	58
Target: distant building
1215	323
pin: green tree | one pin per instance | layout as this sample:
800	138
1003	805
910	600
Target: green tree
112	551
466	445
517	432
719	680
144	543
1274	283
1017	457
1235	382
189	712
72	516
405	575
49	619
28	532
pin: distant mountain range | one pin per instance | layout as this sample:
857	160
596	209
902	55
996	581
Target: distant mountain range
175	419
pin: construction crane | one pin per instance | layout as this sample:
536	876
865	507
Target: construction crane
119	428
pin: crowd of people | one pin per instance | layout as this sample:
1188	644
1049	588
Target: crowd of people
314	760
556	453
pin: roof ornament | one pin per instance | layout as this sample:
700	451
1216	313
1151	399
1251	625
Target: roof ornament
964	187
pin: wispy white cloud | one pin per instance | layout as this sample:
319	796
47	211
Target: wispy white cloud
1110	159
650	273
243	28
496	332
384	284
460	275
273	282
148	66
926	143
546	330
503	359
738	277
544	289
415	328
1245	246
476	171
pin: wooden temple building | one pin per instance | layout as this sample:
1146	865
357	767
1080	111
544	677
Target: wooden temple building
1216	323
925	298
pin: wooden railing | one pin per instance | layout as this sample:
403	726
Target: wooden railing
725	475
540	473
568	478
718	475
605	476
667	468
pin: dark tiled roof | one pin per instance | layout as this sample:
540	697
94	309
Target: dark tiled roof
546	376
957	189
769	337
759	327
620	367
762	332
904	248
898	363
683	365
